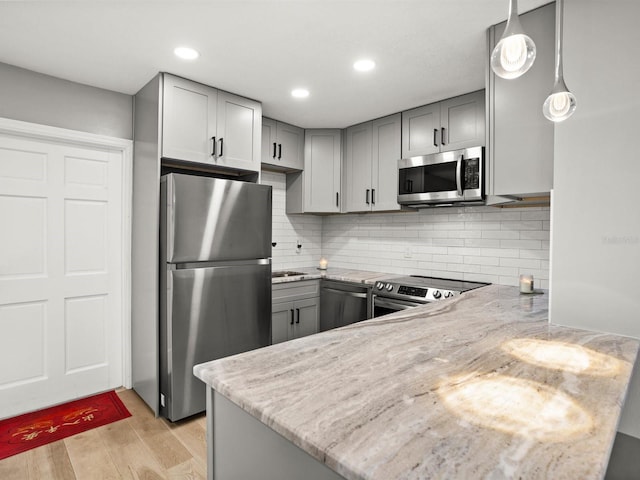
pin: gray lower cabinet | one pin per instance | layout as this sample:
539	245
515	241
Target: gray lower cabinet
209	126
520	153
282	146
371	171
451	124
295	310
317	188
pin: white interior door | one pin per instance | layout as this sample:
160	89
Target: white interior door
60	272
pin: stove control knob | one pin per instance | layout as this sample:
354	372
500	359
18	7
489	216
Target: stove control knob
437	294
389	287
448	295
379	285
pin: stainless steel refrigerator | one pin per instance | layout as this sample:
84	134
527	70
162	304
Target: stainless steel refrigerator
215	290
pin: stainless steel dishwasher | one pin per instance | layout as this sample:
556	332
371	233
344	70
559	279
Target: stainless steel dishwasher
342	303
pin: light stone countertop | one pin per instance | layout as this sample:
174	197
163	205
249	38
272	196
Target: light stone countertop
477	386
341	274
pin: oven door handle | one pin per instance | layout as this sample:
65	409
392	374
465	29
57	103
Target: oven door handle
458	174
394	304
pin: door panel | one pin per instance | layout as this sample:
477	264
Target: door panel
358	167
307	317
464	122
188	120
386	151
240	129
214	219
291	139
210	317
281	318
418	126
60	271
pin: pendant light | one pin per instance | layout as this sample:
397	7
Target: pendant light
515	52
561	103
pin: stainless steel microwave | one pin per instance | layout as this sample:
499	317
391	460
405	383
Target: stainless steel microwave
442	178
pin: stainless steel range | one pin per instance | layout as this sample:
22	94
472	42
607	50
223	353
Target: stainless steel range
402	293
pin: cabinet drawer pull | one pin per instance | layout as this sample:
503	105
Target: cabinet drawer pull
297	315
338	199
291	323
435	141
213	147
274	150
367	197
221	147
442	136
279	151
373	196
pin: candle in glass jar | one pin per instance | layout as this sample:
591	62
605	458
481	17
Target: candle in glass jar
323	263
526	283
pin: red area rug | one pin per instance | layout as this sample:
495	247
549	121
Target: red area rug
31	430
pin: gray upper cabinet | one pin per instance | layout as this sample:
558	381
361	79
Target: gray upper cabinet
317	188
371	173
209	126
451	124
282	146
520	137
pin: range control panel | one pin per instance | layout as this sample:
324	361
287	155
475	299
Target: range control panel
408	292
412	291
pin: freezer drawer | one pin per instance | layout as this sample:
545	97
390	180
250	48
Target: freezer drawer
209	313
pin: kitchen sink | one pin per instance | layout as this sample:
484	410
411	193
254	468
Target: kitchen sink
285	274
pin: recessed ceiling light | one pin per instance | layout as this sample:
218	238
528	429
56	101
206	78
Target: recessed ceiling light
186	53
364	65
300	93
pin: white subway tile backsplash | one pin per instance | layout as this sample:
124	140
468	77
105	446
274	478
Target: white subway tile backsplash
473	243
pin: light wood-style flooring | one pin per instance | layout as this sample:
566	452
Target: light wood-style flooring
140	447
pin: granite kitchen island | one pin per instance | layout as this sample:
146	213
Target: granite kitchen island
478	386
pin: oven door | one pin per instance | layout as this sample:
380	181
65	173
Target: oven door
385	305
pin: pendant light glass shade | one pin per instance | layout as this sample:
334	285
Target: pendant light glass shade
561	103
515	52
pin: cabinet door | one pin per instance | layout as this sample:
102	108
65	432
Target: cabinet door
358	168
269	142
188	120
290	146
322	157
239	132
386	151
282	321
421	130
306	317
521	138
462	121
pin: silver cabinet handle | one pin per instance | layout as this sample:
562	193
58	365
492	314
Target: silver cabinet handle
458	173
345	293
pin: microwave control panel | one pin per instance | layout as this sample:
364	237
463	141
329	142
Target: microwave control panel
471	173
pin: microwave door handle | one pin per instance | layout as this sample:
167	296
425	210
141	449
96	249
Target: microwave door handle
458	174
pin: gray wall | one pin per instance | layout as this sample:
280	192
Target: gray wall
595	239
33	97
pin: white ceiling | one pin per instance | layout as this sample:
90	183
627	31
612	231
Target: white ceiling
425	50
